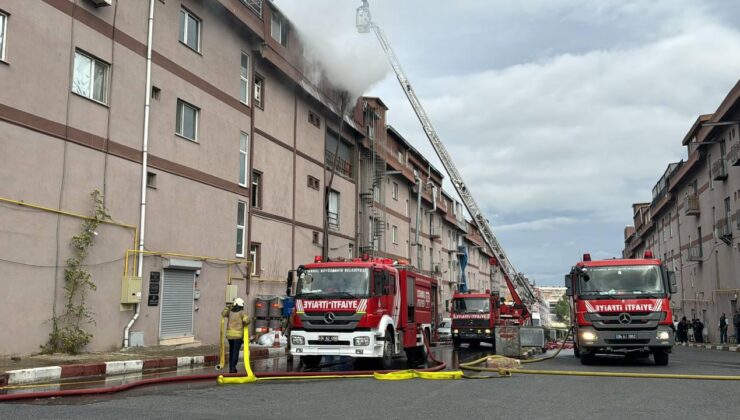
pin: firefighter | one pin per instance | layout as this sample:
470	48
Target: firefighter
237	320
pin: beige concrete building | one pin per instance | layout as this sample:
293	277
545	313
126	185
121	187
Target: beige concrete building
236	157
247	160
693	221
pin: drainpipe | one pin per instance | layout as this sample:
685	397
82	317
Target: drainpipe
419	185
144	165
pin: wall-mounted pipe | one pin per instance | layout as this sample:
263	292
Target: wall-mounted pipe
144	164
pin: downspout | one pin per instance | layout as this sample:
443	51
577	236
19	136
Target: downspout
144	165
419	185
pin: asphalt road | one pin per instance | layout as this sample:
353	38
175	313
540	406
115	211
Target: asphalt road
520	396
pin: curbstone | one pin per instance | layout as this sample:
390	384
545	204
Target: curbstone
36	375
75	371
123	367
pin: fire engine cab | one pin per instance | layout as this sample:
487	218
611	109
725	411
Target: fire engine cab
364	307
621	306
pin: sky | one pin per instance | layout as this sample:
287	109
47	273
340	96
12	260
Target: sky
559	114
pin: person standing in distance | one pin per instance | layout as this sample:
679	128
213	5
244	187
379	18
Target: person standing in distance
237	319
723	324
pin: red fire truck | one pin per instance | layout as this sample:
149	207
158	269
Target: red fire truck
621	306
370	308
475	316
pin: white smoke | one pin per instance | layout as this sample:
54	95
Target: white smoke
349	60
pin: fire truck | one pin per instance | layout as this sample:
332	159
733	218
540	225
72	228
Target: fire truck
621	306
475	316
363	307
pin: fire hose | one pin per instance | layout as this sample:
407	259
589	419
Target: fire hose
509	371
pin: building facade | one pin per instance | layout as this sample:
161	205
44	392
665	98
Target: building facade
222	167
693	222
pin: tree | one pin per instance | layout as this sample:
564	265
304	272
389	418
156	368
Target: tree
562	310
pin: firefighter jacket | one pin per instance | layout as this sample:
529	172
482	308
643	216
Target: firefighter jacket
236	321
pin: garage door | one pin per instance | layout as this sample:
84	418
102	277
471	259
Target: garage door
177	304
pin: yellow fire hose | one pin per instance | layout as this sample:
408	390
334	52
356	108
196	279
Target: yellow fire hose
508	371
221	349
239	379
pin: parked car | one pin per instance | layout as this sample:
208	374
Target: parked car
444	331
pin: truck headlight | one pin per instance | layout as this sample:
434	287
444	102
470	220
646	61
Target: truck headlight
297	340
663	335
455	331
488	331
588	336
362	341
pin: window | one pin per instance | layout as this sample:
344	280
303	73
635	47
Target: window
244	79
187	120
241	228
3	29
279	29
333	210
259	90
314	183
151	180
243	162
254	258
189	30
90	77
316	238
400	156
395	191
256	189
394	234
314	119
156	93
670	225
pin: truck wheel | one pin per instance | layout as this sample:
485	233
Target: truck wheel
661	358
587	359
387	359
311	362
576	352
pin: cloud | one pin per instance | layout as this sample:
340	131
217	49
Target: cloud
558	113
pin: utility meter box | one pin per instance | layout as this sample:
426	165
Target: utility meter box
230	293
131	289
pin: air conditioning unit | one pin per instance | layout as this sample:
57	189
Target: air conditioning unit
100	3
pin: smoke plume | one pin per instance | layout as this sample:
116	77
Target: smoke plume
350	60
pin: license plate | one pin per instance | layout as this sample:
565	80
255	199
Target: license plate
626	336
328	338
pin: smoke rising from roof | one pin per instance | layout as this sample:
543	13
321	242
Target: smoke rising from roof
351	61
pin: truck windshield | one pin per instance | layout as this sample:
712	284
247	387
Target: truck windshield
471	305
341	282
642	280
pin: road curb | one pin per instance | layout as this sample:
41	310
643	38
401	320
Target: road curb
719	347
51	374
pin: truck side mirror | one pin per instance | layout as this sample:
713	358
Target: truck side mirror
289	283
672	282
447	305
568	285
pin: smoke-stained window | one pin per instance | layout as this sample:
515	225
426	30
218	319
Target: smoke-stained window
339	155
279	29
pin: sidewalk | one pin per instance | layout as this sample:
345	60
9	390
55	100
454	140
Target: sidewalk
50	368
711	346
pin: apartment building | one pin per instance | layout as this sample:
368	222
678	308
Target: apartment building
693	221
250	168
236	163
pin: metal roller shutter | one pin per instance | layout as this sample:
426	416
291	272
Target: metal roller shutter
177	304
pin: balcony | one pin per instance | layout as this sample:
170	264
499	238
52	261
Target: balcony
254	5
724	230
719	169
733	156
695	253
435	232
691	205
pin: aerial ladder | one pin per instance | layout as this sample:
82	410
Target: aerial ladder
518	286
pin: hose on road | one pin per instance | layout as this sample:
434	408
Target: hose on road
509	371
